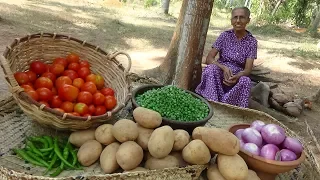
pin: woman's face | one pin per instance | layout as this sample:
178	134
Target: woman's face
239	19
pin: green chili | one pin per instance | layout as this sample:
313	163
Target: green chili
53	161
46	150
26	157
39	139
49	140
32	155
73	154
65	154
57	172
34	149
58	152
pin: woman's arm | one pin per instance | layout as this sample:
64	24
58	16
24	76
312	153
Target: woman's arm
247	69
211	58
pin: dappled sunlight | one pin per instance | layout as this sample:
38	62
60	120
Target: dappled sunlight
147	59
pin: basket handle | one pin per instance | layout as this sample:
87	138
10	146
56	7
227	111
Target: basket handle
113	55
8	73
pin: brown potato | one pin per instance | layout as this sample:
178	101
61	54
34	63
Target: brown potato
196	152
178	155
181	139
125	130
213	173
161	142
137	169
129	155
252	175
232	167
108	161
147	118
78	138
89	152
104	135
166	162
144	136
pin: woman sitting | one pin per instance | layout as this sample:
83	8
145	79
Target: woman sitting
226	80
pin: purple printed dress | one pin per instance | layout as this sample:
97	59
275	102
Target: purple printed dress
233	54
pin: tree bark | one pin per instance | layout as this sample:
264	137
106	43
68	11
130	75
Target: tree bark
182	64
313	29
165	6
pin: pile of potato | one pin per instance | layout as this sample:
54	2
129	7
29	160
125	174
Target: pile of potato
145	146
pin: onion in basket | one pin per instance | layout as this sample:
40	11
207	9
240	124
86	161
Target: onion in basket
257	124
269	151
273	134
286	155
251	135
252	148
293	144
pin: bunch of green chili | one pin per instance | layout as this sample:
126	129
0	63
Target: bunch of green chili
49	152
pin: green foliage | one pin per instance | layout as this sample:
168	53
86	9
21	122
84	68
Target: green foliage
150	3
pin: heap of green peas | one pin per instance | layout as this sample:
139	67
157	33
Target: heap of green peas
173	103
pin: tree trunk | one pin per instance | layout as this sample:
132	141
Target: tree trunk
276	7
260	7
182	64
313	29
165	6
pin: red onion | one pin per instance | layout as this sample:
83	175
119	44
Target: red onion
293	145
250	135
269	151
257	124
287	155
252	148
273	134
241	143
238	133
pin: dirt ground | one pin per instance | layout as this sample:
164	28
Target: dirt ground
145	34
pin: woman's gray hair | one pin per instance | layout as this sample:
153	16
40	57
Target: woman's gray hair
247	11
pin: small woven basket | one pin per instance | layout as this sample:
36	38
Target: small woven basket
46	47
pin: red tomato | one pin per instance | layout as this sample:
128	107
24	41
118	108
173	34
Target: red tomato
100	110
85	97
57	69
54	91
56	102
63	80
33	94
32	76
43	82
45	103
73	58
71	73
44	94
27	87
92	109
67	106
107	91
84	63
83	72
78	82
21	77
48	67
68	93
74	114
89	86
91	78
110	102
74	66
59	109
81	108
29	83
38	67
50	76
62	61
86	115
98	99
99	82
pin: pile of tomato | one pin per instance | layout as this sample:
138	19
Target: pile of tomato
67	85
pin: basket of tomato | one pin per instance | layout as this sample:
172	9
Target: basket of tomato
64	82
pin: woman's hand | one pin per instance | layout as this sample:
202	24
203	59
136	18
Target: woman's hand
232	80
227	73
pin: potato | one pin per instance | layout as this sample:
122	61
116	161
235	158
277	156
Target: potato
129	155
104	135
78	138
125	130
161	142
232	167
146	155
181	139
166	162
89	152
196	152
144	136
213	173
178	155
252	175
218	140
147	118
137	169
108	161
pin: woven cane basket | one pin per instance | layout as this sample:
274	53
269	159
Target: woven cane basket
46	47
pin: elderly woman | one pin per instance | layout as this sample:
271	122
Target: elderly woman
226	80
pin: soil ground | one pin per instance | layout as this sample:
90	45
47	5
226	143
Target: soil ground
291	55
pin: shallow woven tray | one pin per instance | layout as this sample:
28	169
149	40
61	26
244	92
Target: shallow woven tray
46	47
